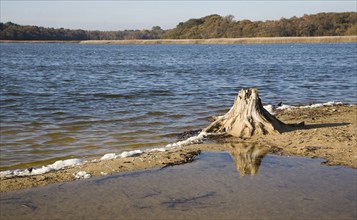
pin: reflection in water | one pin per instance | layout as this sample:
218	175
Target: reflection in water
247	157
209	188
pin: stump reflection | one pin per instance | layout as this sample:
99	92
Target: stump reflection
247	157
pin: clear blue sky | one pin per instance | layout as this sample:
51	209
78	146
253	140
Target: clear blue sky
120	15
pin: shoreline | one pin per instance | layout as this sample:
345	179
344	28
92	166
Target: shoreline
41	41
246	40
329	133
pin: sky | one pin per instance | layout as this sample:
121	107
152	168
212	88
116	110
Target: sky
120	15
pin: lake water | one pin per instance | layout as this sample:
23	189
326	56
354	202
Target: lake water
69	100
208	188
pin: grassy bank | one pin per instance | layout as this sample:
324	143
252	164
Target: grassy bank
258	40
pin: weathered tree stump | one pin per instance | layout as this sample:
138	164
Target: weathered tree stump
247	117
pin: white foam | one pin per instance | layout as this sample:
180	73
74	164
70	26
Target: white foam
322	104
6	174
161	149
310	106
285	107
130	153
108	156
122	155
191	140
81	175
44	169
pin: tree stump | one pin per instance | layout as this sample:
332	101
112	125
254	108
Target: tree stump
246	117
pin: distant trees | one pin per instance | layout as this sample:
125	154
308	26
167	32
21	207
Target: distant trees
215	26
212	26
12	31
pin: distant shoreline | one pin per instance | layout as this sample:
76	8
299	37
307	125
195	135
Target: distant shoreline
257	40
253	40
40	41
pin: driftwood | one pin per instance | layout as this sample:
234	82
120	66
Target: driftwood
247	117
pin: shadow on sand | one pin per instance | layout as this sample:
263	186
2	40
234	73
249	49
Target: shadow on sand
303	126
327	125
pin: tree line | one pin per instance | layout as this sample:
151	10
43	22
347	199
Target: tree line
12	31
215	26
212	26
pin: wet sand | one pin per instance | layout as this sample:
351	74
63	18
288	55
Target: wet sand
329	133
208	188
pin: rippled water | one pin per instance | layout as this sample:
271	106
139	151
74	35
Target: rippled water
70	100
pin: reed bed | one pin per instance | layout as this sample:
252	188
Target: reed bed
247	40
255	40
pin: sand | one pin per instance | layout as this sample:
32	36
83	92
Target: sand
329	133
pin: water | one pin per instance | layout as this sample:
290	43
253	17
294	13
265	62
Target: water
60	101
208	188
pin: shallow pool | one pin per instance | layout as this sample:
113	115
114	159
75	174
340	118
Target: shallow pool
214	186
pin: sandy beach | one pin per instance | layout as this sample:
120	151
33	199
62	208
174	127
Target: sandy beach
329	133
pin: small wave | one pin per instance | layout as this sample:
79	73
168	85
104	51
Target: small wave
155	123
114	96
60	140
122	155
8	100
188	134
271	108
9	132
54	135
192	140
317	105
135	133
12	94
133	94
73	162
60	164
90	147
59	113
155	113
177	116
159	93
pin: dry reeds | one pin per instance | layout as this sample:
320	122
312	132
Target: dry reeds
255	40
